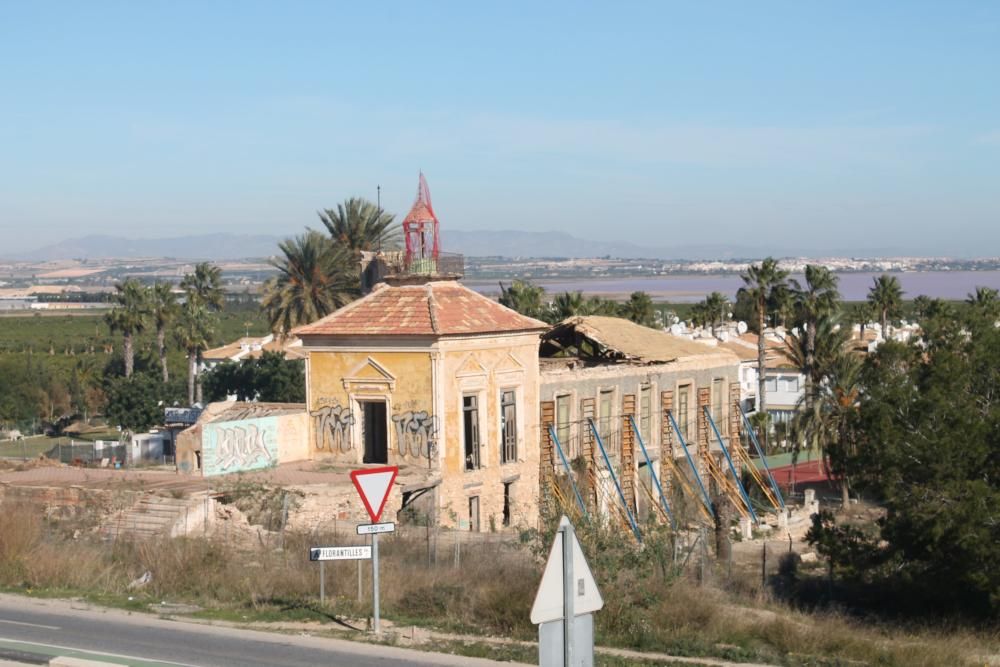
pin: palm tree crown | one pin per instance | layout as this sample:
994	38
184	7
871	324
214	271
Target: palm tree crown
359	225
205	285
313	281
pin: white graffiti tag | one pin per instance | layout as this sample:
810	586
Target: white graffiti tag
241	447
333	427
415	432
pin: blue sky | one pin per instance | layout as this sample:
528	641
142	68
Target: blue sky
816	125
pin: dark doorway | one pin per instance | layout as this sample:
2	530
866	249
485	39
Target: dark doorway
506	503
375	432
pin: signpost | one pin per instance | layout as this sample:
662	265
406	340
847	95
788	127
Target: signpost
323	554
564	605
373	485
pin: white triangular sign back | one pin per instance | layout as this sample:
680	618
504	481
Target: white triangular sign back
549	599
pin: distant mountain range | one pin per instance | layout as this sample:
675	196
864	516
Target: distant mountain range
510	243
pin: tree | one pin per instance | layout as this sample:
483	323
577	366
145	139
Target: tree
828	410
359	225
819	298
269	378
760	283
193	331
886	298
929	425
163	308
129	316
205	286
711	311
566	305
985	303
314	279
639	309
134	403
523	296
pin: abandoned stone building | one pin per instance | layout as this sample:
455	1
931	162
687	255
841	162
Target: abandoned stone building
434	377
607	382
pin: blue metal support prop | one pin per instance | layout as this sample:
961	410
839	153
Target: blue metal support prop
732	467
652	474
614	478
569	471
756	445
694	468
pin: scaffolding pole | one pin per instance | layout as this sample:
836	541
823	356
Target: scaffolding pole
694	469
732	467
756	445
569	471
652	473
614	478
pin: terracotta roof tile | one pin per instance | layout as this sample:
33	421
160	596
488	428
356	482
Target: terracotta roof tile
433	309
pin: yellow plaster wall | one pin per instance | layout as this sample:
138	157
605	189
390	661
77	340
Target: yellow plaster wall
330	400
477	366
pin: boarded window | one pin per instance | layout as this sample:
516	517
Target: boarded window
683	405
562	422
508	425
645	412
717	401
470	419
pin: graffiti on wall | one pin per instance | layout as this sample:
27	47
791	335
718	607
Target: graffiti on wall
415	432
250	444
333	428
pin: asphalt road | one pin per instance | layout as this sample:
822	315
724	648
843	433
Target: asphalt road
58	627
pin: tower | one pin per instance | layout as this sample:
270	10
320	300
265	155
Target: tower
420	230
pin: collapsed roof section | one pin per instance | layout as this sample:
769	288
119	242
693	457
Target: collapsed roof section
602	339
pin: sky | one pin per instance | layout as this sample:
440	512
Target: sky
806	124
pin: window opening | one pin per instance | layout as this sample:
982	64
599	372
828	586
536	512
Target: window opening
470	418
508	436
474	514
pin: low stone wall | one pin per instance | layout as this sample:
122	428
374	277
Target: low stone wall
67	502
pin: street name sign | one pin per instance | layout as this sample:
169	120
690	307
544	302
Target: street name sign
373	485
376	528
340	553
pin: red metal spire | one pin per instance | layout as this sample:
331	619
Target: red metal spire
420	229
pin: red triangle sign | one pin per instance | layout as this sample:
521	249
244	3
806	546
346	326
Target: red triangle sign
373	485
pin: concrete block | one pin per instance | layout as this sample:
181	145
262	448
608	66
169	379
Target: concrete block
783	519
810	496
746	528
809	557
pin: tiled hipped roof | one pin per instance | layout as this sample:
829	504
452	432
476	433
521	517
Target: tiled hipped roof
433	309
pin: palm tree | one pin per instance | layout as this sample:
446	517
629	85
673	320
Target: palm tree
359	225
886	297
819	298
313	281
761	282
163	308
828	422
523	296
607	307
711	311
129	316
205	286
193	331
639	309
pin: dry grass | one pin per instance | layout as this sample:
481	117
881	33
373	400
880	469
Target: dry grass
488	594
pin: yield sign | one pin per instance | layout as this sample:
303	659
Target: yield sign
549	598
373	485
